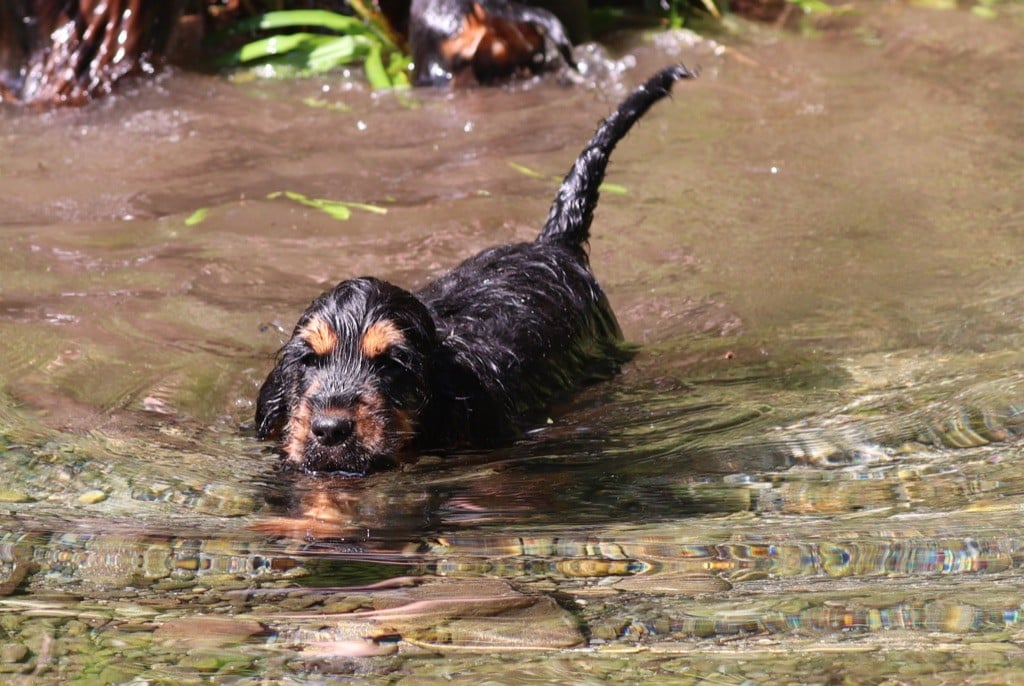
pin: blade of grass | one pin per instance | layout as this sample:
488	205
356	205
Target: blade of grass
378	24
523	169
398	69
276	45
712	9
338	209
373	65
375	209
613	188
339	50
322	19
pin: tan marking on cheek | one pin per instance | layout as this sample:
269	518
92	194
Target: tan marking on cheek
402	435
404	428
369	423
319	335
465	43
379	337
297	432
509	43
382	429
298	428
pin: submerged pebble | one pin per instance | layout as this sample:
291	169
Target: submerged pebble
92	497
13	652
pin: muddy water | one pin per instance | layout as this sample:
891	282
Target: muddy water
811	470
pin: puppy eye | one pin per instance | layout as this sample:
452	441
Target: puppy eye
310	359
387	364
400	376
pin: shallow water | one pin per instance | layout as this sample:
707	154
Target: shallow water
811	469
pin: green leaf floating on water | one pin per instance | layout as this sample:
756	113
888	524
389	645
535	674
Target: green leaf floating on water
339	209
613	188
197	216
526	171
320	103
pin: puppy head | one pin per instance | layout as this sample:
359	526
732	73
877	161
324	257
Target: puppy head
348	387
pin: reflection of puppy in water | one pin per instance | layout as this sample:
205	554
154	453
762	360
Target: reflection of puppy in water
373	371
482	40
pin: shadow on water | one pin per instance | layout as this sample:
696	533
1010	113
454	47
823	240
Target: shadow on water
811	471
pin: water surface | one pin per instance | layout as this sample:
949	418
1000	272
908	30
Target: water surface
811	469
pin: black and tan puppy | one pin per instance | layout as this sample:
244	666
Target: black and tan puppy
482	41
373	371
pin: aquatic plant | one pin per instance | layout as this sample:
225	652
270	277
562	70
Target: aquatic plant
612	15
338	209
677	10
813	6
322	41
606	186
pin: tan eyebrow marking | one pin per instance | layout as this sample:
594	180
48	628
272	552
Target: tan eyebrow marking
380	336
320	336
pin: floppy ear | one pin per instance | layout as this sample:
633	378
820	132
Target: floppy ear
553	29
272	403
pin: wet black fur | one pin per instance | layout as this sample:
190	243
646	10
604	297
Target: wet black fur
490	344
433	22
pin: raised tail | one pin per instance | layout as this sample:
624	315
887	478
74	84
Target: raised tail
573	209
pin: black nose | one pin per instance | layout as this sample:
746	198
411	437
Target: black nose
332	429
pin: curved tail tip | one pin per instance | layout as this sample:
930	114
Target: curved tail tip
572	210
673	73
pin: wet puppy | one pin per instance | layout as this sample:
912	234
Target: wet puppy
373	371
481	40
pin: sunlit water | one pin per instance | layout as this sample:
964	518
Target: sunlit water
811	470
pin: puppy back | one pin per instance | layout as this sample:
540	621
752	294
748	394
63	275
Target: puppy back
573	209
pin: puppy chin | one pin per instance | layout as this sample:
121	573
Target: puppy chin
335	460
347	459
